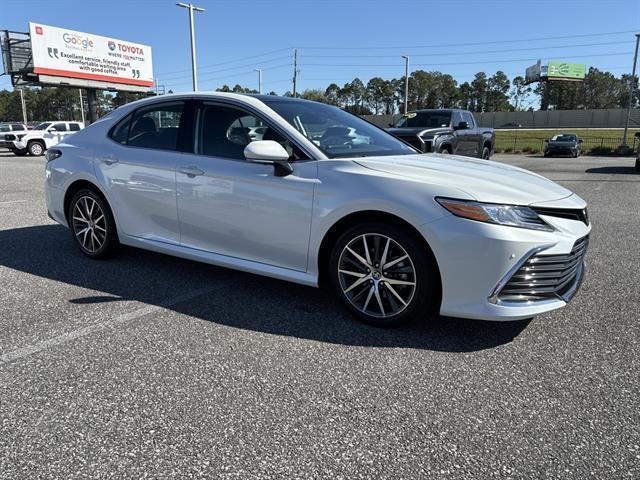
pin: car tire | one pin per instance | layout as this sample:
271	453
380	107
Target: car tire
92	225
384	298
638	165
20	153
547	155
486	153
36	148
444	150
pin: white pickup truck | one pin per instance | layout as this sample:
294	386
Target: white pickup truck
43	136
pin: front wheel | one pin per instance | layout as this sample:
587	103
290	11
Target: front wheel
35	148
383	274
92	224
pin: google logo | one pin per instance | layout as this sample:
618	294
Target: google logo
77	40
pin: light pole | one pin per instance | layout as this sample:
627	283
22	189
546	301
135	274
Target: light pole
259	70
406	83
192	8
24	106
81	106
632	85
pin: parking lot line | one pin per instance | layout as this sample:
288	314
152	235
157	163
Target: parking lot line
100	326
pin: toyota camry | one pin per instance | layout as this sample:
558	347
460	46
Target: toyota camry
305	192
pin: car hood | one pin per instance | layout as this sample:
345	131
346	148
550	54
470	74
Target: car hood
482	180
418	131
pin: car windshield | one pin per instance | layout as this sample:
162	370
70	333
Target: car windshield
4	128
337	133
563	138
42	126
424	119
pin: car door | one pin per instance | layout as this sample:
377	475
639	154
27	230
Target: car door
472	136
55	133
462	145
230	206
137	165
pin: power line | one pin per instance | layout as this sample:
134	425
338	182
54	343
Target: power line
351	65
237	67
494	42
473	52
228	61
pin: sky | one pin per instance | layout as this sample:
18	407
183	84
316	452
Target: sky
338	40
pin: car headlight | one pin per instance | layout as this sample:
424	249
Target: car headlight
509	215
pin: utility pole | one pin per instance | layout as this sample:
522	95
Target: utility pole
157	87
24	107
406	83
81	106
631	89
259	70
192	8
295	71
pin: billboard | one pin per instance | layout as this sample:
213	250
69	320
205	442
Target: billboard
555	70
58	52
566	71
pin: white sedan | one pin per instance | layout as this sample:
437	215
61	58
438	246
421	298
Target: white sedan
396	234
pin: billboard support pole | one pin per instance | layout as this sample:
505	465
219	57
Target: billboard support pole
92	104
632	85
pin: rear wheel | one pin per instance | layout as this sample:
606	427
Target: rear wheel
638	165
445	150
36	148
92	225
486	153
383	274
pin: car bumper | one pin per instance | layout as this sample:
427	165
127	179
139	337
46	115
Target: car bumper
561	151
477	259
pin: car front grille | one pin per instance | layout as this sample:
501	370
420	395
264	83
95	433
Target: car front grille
569	213
543	277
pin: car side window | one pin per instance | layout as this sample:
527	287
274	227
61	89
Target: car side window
154	127
74	127
225	132
469	119
17	127
59	127
456	119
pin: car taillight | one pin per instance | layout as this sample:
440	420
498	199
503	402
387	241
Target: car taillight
52	154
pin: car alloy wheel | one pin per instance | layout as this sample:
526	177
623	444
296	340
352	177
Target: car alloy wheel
377	275
89	224
36	149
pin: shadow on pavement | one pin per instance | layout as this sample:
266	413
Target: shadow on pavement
249	302
616	169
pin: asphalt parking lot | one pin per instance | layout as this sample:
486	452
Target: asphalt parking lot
151	366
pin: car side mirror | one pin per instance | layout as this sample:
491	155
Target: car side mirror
462	126
269	152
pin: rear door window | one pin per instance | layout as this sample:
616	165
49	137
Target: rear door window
59	127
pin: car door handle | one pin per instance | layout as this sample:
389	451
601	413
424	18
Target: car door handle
109	159
190	170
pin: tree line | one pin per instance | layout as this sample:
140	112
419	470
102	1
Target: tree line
434	89
482	94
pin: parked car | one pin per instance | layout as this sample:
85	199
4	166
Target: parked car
563	144
11	131
394	233
43	136
511	125
445	131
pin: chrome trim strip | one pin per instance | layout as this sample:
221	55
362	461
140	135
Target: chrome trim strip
493	298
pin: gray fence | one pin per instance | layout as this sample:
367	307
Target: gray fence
606	118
